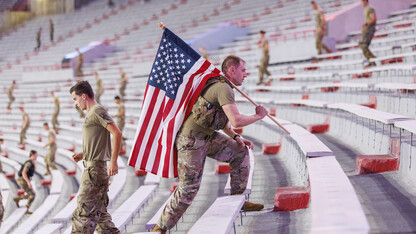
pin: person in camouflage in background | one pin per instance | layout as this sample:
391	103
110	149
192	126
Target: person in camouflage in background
123	80
38	36
80	62
93	200
25	174
99	87
10	95
121	116
369	28
57	103
50	155
264	62
198	138
321	28
25	125
51	29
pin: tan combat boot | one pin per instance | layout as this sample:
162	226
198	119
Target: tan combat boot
249	206
16	200
158	229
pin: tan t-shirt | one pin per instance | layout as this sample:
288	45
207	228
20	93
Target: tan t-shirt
264	44
318	18
24	114
219	94
367	13
51	135
96	143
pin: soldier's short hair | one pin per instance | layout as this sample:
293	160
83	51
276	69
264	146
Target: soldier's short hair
32	152
82	87
117	97
262	32
313	2
1	139
45	124
231	61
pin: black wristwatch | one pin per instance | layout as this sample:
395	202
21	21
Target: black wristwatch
236	135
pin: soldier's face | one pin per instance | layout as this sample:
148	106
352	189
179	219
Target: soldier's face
240	74
79	101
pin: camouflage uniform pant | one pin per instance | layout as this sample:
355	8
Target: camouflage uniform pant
55	119
120	124
29	192
97	97
319	44
79	70
1	209
264	63
23	134
81	113
192	152
50	157
92	202
11	100
365	40
122	90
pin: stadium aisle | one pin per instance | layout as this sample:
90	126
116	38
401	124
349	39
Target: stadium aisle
388	202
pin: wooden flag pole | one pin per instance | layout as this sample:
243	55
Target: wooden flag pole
162	26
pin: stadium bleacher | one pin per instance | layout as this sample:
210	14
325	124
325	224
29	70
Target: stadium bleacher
367	114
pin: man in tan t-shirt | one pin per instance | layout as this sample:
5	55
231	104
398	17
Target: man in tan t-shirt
96	151
321	28
99	87
50	155
199	138
56	103
368	31
10	94
25	126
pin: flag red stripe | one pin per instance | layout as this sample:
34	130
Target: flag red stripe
143	128
152	136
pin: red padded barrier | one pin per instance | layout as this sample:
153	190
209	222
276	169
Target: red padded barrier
369	164
291	198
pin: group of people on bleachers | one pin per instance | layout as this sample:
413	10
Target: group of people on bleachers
368	31
39	35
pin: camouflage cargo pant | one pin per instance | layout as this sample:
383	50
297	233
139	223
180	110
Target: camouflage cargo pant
319	44
50	157
81	113
192	152
365	40
23	133
264	63
1	209
29	192
11	100
120	124
79	70
97	97
55	119
122	90
92	202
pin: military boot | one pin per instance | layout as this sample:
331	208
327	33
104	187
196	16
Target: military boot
158	229
28	212
16	200
48	172
249	206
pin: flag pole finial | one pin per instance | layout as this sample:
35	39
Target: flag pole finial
161	25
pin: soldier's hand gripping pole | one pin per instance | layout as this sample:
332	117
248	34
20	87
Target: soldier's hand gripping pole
162	26
254	103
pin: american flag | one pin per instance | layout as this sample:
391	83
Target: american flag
177	77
